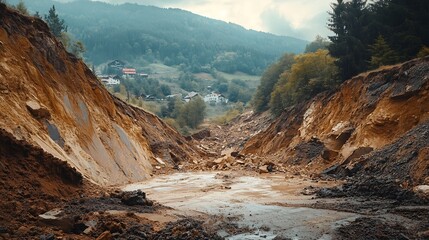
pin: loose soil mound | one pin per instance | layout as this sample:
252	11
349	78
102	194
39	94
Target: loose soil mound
31	183
371	228
390	172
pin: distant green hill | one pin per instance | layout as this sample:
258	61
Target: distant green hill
137	33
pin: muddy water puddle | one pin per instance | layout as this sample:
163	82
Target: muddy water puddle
255	204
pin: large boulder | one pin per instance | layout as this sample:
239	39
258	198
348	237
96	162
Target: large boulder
133	198
59	219
37	110
205	133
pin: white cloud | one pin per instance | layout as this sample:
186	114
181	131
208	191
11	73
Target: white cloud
300	18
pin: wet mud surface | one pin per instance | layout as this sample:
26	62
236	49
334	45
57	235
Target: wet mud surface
240	206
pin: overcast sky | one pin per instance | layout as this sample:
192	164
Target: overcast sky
297	18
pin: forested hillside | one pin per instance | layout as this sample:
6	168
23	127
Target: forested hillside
366	36
142	34
370	34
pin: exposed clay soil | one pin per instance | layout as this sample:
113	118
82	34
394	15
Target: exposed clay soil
367	113
52	100
390	172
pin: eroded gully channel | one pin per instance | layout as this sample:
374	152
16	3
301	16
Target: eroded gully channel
262	206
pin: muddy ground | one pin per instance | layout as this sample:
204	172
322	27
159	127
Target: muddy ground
240	204
246	205
244	201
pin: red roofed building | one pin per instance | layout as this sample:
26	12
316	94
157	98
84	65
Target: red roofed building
129	71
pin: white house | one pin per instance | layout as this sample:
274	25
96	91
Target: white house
144	75
215	98
109	80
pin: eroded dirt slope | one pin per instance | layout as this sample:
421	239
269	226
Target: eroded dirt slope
355	124
52	100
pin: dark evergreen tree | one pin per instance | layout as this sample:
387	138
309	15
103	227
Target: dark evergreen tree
348	22
404	24
381	53
22	8
54	22
337	24
165	89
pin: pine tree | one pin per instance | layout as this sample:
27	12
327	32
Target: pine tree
337	24
381	53
56	24
22	8
348	21
404	24
337	21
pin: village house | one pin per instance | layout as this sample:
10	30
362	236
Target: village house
117	64
148	97
115	67
215	98
177	95
144	75
131	72
109	80
191	96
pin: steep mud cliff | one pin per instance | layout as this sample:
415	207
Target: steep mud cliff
51	99
361	128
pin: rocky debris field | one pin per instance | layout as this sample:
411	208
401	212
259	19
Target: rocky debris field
233	135
118	218
221	145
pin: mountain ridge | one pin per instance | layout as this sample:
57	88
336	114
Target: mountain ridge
173	36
